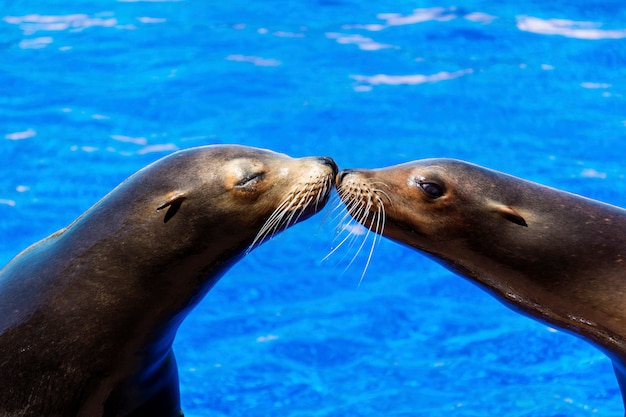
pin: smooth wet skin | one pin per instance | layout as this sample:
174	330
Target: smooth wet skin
88	315
555	256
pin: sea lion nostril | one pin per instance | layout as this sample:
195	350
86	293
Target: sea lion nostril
341	175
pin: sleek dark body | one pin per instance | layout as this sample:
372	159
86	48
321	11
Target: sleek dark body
555	256
88	315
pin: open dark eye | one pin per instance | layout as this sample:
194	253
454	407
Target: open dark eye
250	179
432	189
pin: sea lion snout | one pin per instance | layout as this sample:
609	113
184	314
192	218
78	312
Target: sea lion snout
339	177
327	160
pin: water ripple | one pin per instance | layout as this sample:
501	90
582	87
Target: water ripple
568	28
32	23
423	15
364	43
28	133
255	60
414	79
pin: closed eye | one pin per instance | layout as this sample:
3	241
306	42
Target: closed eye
250	179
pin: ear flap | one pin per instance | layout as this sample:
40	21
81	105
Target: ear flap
174	202
510	214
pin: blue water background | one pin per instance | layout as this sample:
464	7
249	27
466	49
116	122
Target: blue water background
91	91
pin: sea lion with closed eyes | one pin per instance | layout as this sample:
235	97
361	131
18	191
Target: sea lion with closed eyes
88	315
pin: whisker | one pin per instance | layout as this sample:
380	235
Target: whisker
378	191
349	226
378	231
345	225
291	209
365	212
273	222
345	228
323	194
295	214
269	225
337	207
363	205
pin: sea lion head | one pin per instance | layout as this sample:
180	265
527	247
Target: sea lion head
432	204
228	197
251	192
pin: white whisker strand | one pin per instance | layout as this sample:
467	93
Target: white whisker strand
378	231
328	198
346	228
290	210
365	212
350	222
278	214
360	205
306	197
340	212
378	191
271	224
293	217
337	206
344	225
351	238
321	195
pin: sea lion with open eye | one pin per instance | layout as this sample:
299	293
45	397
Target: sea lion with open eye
555	256
88	315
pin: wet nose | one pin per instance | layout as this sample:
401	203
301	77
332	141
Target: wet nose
340	176
326	160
